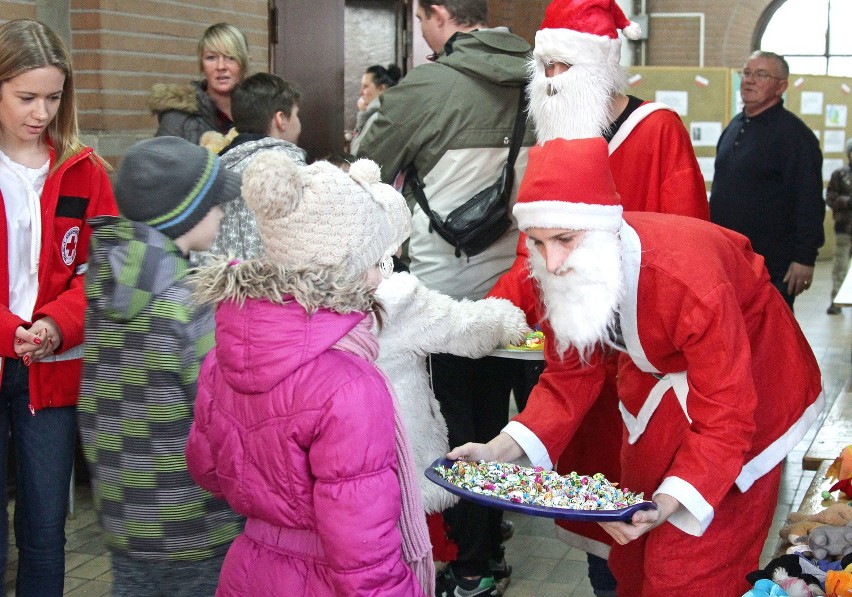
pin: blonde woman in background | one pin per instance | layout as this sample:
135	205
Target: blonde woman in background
190	110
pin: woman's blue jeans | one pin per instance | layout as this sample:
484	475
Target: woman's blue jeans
44	445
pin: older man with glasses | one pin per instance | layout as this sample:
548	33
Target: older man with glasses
768	179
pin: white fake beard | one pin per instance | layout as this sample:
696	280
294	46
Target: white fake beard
582	304
575	104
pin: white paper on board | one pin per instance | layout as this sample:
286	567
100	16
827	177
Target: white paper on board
811	102
679	100
829	166
705	134
707	167
833	141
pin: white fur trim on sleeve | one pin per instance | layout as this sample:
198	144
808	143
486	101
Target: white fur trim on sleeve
567	215
777	450
695	514
530	444
576	47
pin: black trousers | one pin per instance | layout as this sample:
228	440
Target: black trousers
474	399
524	380
777	279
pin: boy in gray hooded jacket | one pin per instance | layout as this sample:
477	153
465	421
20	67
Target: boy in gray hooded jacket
265	108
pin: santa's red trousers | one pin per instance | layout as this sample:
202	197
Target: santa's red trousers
667	561
444	549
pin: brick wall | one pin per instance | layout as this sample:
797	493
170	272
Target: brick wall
17	9
729	31
121	48
673	41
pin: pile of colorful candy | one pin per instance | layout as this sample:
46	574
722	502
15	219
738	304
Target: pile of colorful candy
537	486
532	341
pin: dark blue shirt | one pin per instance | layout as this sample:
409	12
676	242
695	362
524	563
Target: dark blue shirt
768	186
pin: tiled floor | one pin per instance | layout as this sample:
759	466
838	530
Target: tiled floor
543	566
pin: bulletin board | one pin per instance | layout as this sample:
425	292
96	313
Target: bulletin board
822	102
702	97
707	99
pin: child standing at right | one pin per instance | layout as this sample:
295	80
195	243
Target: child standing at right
145	339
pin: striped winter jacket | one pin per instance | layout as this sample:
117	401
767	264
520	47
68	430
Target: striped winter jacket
145	340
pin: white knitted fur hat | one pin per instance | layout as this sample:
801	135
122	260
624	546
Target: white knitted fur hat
398	213
318	216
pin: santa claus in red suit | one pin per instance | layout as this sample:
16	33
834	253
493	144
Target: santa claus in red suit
716	381
577	91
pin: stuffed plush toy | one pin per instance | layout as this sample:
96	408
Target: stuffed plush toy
765	588
216	141
786	573
837	514
829	540
797	532
841	468
838	584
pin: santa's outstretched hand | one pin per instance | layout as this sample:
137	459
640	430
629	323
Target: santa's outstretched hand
642	520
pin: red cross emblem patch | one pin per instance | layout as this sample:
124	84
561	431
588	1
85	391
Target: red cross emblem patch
69	245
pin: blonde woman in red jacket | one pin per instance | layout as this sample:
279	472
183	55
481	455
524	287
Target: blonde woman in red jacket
50	185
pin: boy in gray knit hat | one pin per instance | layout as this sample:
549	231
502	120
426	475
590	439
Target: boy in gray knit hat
145	340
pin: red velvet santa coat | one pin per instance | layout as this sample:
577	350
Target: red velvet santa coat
655	170
698	301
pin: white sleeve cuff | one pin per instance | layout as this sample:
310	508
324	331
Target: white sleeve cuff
530	444
694	514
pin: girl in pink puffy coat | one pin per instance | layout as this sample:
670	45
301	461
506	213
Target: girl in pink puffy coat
294	425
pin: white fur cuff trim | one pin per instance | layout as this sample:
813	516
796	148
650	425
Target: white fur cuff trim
576	47
695	514
777	450
567	215
530	444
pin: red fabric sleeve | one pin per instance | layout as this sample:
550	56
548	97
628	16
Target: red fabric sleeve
565	391
517	286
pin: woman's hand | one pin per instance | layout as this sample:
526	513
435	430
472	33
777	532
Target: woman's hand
41	340
642	520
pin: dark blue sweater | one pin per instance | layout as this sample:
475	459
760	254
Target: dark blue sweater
768	186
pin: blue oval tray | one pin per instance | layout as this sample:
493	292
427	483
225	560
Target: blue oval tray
622	514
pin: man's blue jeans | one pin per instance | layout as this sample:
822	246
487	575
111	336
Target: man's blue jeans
44	453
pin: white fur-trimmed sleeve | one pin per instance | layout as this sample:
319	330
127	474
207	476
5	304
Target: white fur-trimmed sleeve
695	514
431	322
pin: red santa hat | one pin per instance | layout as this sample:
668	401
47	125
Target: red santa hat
584	31
568	184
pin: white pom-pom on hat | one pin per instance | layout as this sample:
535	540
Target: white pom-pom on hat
272	185
365	171
633	31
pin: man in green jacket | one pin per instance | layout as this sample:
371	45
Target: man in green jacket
452	120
